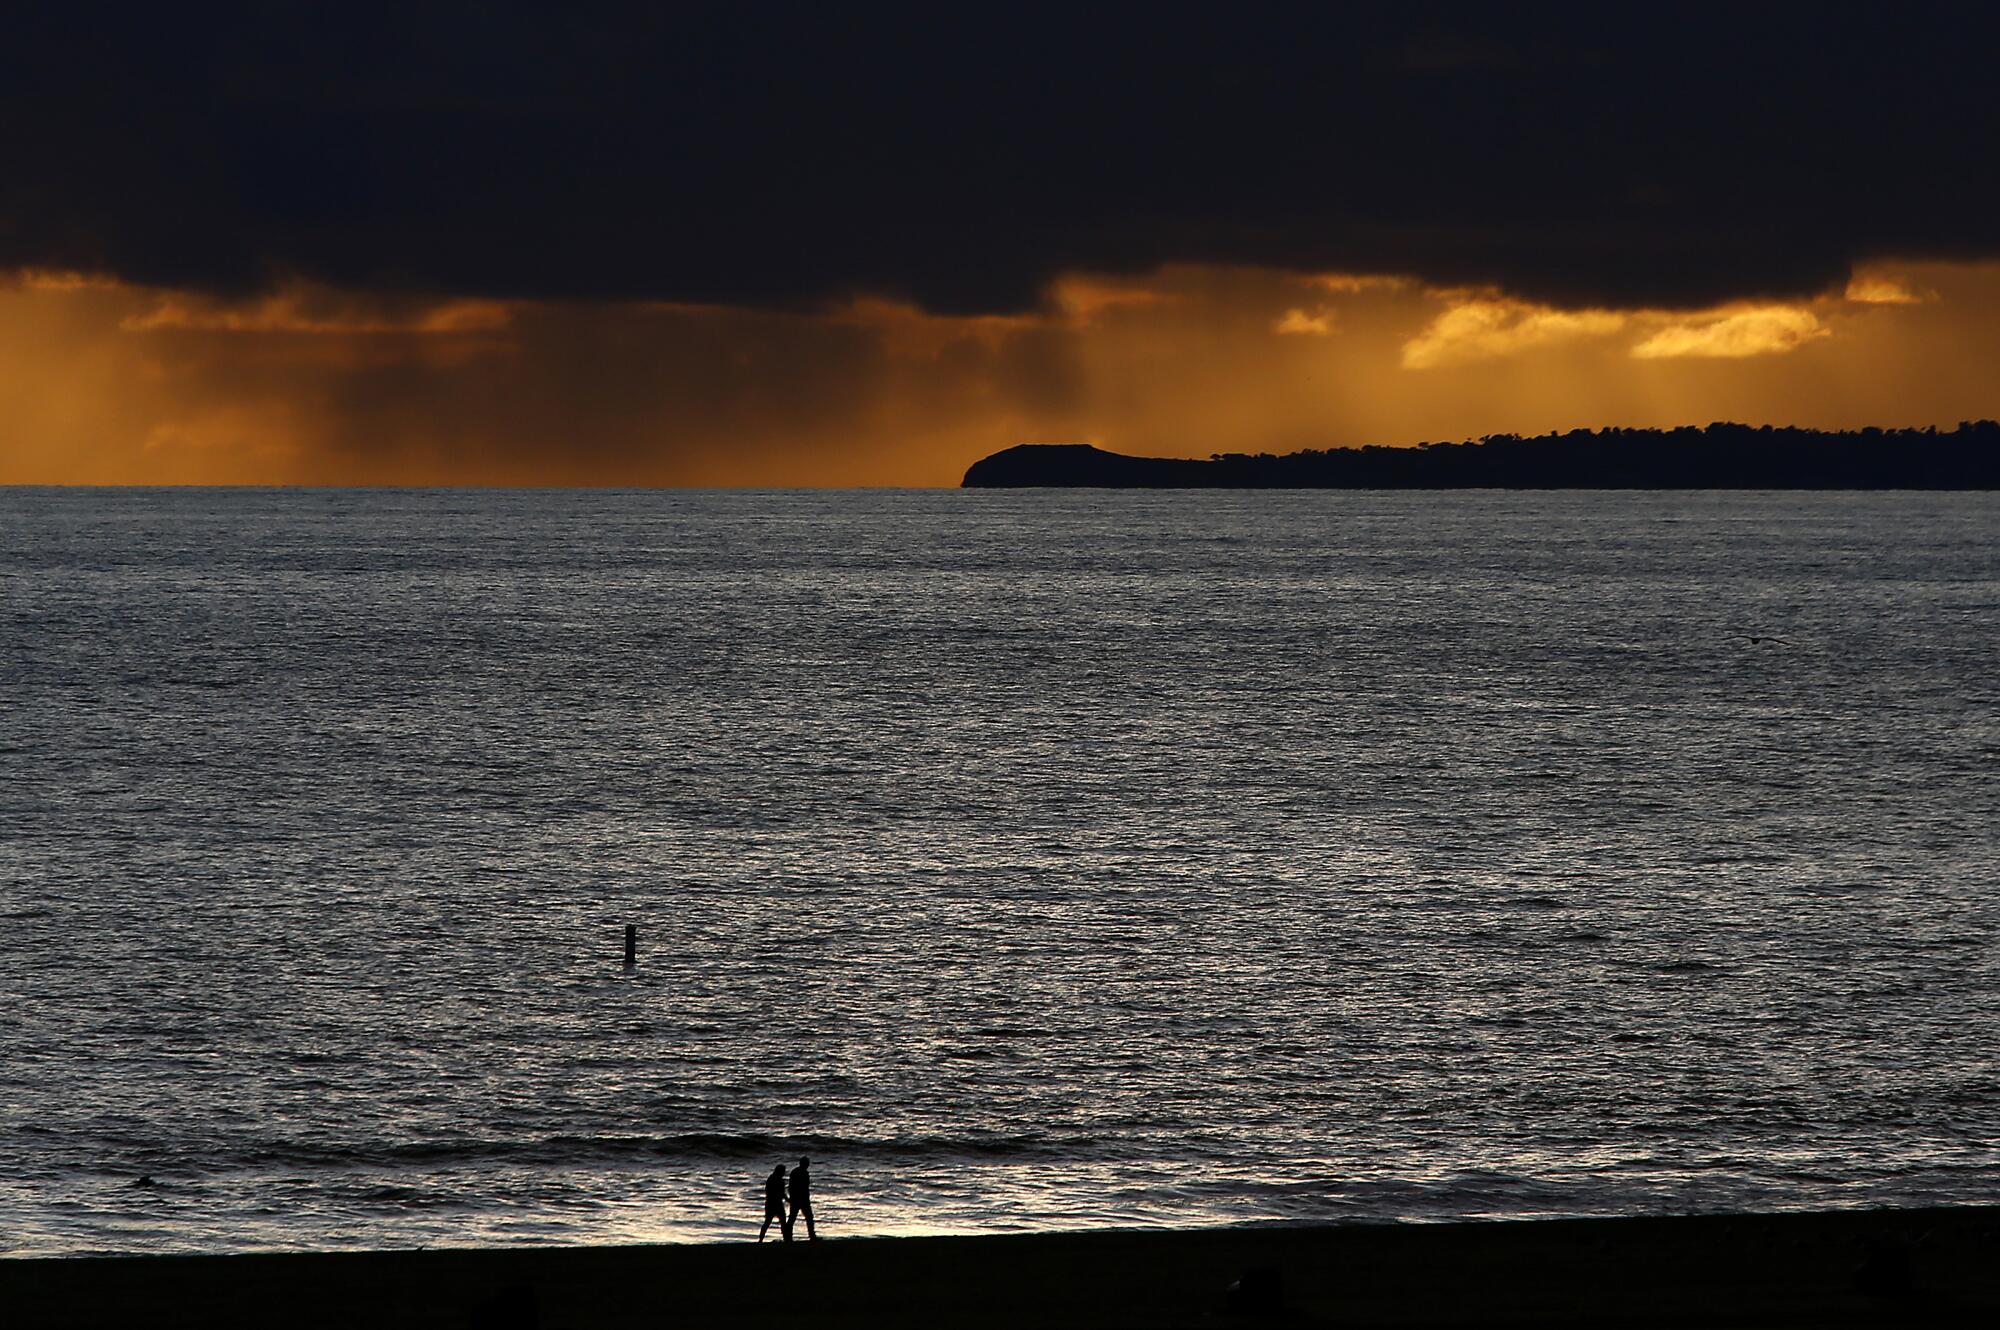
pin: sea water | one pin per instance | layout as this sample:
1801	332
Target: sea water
1029	860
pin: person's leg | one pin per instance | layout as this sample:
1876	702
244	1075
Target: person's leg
811	1235
767	1226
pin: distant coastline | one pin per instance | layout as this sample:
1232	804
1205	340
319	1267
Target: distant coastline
1719	456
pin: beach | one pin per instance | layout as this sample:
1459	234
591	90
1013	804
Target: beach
1887	1267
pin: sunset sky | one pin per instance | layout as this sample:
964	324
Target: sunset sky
481	245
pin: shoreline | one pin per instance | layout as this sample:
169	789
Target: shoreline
1918	1266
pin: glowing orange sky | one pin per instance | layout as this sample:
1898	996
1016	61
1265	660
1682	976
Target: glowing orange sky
102	383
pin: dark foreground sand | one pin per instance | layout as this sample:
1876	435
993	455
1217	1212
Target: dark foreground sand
1911	1267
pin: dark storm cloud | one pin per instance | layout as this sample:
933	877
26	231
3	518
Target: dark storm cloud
781	156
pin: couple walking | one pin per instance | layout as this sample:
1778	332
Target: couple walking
800	1192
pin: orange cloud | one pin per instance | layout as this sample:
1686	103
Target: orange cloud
1759	330
1348	283
317	311
1483	328
54	279
1080	298
1879	289
1296	322
912	333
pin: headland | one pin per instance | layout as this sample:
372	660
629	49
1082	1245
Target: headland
1719	456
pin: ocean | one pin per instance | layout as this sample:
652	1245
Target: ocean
1029	860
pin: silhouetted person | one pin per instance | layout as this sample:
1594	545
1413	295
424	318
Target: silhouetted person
774	1204
802	1200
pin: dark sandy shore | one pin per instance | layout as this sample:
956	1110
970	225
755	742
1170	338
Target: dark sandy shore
1910	1267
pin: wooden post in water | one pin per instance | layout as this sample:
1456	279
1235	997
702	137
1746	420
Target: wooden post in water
631	945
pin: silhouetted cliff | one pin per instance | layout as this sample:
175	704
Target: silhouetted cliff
1719	457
